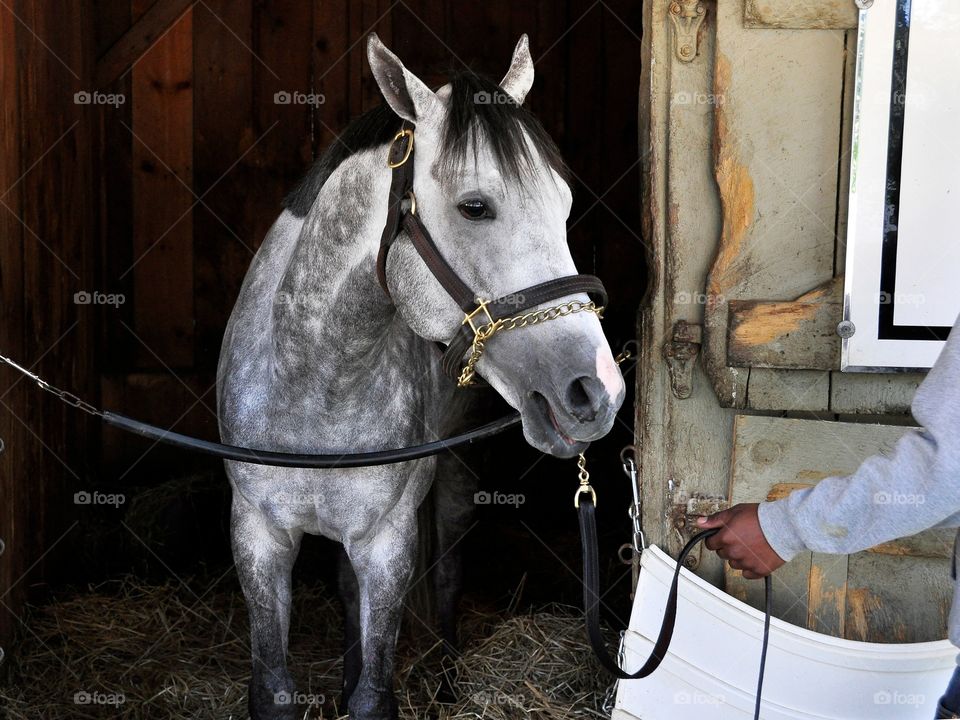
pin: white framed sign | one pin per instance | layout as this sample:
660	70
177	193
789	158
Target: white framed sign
902	285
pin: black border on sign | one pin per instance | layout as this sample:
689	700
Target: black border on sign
887	329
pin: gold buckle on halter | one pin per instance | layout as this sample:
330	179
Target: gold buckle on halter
468	319
413	202
406	156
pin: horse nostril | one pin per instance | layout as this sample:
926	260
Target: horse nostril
583	398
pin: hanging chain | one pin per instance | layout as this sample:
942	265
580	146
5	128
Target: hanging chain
636	509
484	332
68	397
610	696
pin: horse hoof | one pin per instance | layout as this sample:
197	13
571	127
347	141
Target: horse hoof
372	708
267	704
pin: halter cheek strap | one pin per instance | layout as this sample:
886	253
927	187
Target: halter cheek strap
482	318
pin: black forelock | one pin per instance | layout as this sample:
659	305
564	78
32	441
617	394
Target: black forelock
478	110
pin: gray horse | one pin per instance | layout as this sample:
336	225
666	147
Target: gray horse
318	358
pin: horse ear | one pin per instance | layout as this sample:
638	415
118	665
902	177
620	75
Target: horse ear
519	78
404	92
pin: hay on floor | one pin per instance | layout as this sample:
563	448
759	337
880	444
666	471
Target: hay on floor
140	651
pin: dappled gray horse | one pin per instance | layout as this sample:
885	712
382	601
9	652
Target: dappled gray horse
317	357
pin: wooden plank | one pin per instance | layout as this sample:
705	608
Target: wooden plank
827	594
112	20
284	34
223	76
790	593
366	16
331	71
587	160
113	199
113	210
897	599
788	390
681	236
269	146
652	383
549	97
154	21
778	98
162	199
937	543
57	262
800	334
356	56
873	394
800	14
612	247
180	410
775	456
14	513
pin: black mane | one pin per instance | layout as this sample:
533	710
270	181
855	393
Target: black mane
478	108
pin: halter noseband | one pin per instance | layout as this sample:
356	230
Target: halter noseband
482	318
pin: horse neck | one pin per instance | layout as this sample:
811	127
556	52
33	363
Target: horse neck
331	320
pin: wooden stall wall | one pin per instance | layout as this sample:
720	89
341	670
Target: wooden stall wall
153	190
195	165
46	237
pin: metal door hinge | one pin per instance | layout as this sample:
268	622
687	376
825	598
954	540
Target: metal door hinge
687	17
681	355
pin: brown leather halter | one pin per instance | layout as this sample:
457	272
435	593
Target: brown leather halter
482	318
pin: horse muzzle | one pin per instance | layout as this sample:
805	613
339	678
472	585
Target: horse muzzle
564	423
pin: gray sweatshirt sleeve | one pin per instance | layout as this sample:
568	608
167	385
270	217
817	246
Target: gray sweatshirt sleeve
915	487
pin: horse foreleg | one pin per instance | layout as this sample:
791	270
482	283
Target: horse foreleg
352	649
453	495
383	565
264	556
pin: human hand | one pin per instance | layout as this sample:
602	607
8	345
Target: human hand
741	541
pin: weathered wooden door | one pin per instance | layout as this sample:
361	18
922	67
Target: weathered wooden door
746	110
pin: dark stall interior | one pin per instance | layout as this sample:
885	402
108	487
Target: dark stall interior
157	193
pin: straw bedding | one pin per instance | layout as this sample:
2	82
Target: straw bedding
132	650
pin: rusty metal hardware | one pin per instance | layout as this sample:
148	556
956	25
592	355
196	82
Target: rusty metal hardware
681	354
687	16
687	507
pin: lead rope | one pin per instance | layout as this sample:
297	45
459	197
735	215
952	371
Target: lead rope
272	457
585	501
268	457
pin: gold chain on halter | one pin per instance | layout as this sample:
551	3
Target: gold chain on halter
482	333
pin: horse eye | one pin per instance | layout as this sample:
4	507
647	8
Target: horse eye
473	209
